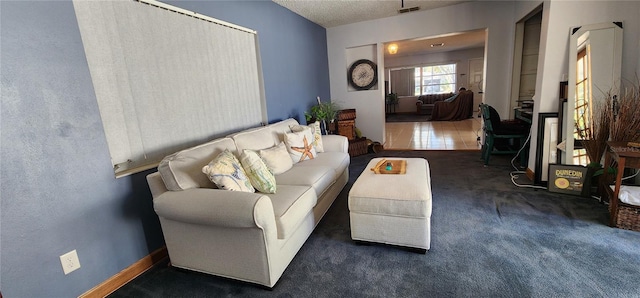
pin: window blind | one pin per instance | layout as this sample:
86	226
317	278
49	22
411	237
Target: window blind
403	81
167	79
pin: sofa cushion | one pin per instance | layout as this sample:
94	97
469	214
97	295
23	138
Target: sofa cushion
261	178
183	170
291	204
338	161
227	173
254	139
318	177
276	158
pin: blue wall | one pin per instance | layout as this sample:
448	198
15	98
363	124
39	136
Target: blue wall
57	191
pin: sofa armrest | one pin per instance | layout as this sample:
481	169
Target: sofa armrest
156	185
217	207
335	143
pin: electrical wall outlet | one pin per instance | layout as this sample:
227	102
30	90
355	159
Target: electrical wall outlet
70	262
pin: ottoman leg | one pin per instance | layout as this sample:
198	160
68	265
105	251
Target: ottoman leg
421	251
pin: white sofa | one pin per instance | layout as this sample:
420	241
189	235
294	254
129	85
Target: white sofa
246	236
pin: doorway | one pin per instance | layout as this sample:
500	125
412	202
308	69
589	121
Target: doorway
525	59
476	80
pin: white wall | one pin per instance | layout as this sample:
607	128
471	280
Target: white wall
557	20
497	17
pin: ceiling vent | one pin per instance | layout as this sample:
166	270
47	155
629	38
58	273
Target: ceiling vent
409	9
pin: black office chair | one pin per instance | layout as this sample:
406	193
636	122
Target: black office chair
502	137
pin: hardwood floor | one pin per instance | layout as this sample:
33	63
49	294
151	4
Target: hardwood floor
434	135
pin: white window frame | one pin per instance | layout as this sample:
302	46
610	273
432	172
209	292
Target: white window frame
420	78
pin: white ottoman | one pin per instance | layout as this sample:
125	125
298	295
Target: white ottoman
393	208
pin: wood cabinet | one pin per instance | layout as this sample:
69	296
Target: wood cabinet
347	123
622	215
347	127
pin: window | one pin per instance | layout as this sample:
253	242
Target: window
583	111
435	79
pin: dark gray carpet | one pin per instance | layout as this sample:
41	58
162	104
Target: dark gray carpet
489	239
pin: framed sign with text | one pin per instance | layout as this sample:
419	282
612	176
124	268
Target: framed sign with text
567	179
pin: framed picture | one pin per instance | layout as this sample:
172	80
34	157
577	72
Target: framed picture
567	179
546	151
564	89
562	107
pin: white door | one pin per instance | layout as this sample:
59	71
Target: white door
476	82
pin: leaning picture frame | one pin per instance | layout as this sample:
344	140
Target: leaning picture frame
567	179
546	146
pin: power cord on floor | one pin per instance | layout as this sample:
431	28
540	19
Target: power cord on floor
622	179
629	177
514	174
478	139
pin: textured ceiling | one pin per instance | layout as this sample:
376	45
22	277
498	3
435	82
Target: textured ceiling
331	13
451	42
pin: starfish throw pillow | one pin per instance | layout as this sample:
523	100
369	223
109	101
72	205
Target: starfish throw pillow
300	145
315	131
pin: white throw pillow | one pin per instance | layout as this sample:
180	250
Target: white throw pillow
227	173
300	145
258	172
315	131
276	158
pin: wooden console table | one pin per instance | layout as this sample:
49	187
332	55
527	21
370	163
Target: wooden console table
626	157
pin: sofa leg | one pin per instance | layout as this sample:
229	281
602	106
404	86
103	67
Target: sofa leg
362	243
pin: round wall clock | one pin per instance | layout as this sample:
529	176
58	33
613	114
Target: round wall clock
363	74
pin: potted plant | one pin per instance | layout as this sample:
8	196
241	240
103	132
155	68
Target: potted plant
391	98
325	112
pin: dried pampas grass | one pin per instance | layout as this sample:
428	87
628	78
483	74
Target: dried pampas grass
625	125
595	133
616	118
